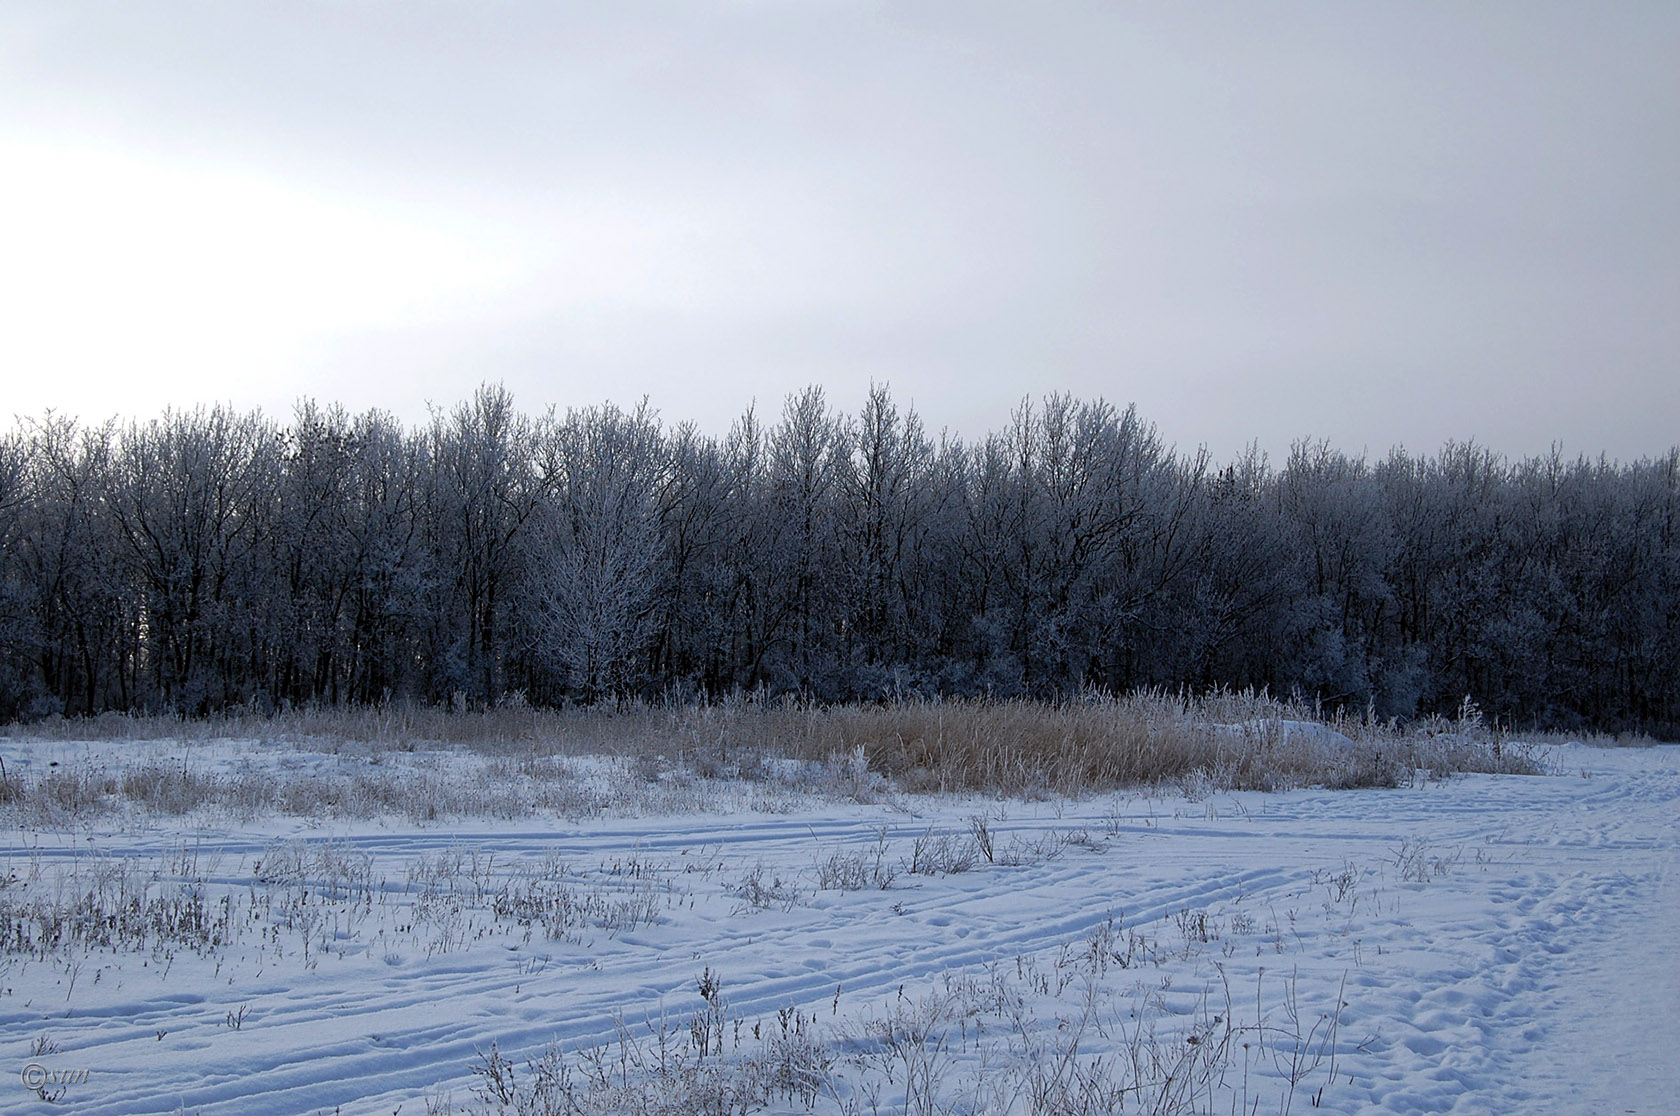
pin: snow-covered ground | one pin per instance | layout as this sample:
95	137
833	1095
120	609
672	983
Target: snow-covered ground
1485	944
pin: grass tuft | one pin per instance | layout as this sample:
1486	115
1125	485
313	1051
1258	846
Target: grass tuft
524	762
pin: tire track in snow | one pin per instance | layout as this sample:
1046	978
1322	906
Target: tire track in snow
1495	948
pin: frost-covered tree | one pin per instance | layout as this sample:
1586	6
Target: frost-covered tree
190	495
1338	540
210	558
479	495
69	556
892	500
19	611
594	550
809	466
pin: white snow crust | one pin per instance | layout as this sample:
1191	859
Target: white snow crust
1487	944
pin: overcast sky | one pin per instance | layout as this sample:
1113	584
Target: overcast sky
1371	223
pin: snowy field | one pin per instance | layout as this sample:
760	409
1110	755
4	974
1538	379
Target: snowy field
1494	944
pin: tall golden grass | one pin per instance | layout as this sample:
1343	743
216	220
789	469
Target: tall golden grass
1222	740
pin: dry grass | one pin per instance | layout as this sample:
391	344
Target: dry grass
519	759
512	727
1101	1042
1226	741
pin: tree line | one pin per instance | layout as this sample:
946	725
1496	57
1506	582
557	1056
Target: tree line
210	559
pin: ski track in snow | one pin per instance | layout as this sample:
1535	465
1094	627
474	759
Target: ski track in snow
1529	970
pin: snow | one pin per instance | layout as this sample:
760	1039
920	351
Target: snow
1284	729
1483	944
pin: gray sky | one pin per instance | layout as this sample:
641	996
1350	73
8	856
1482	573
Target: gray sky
1370	223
